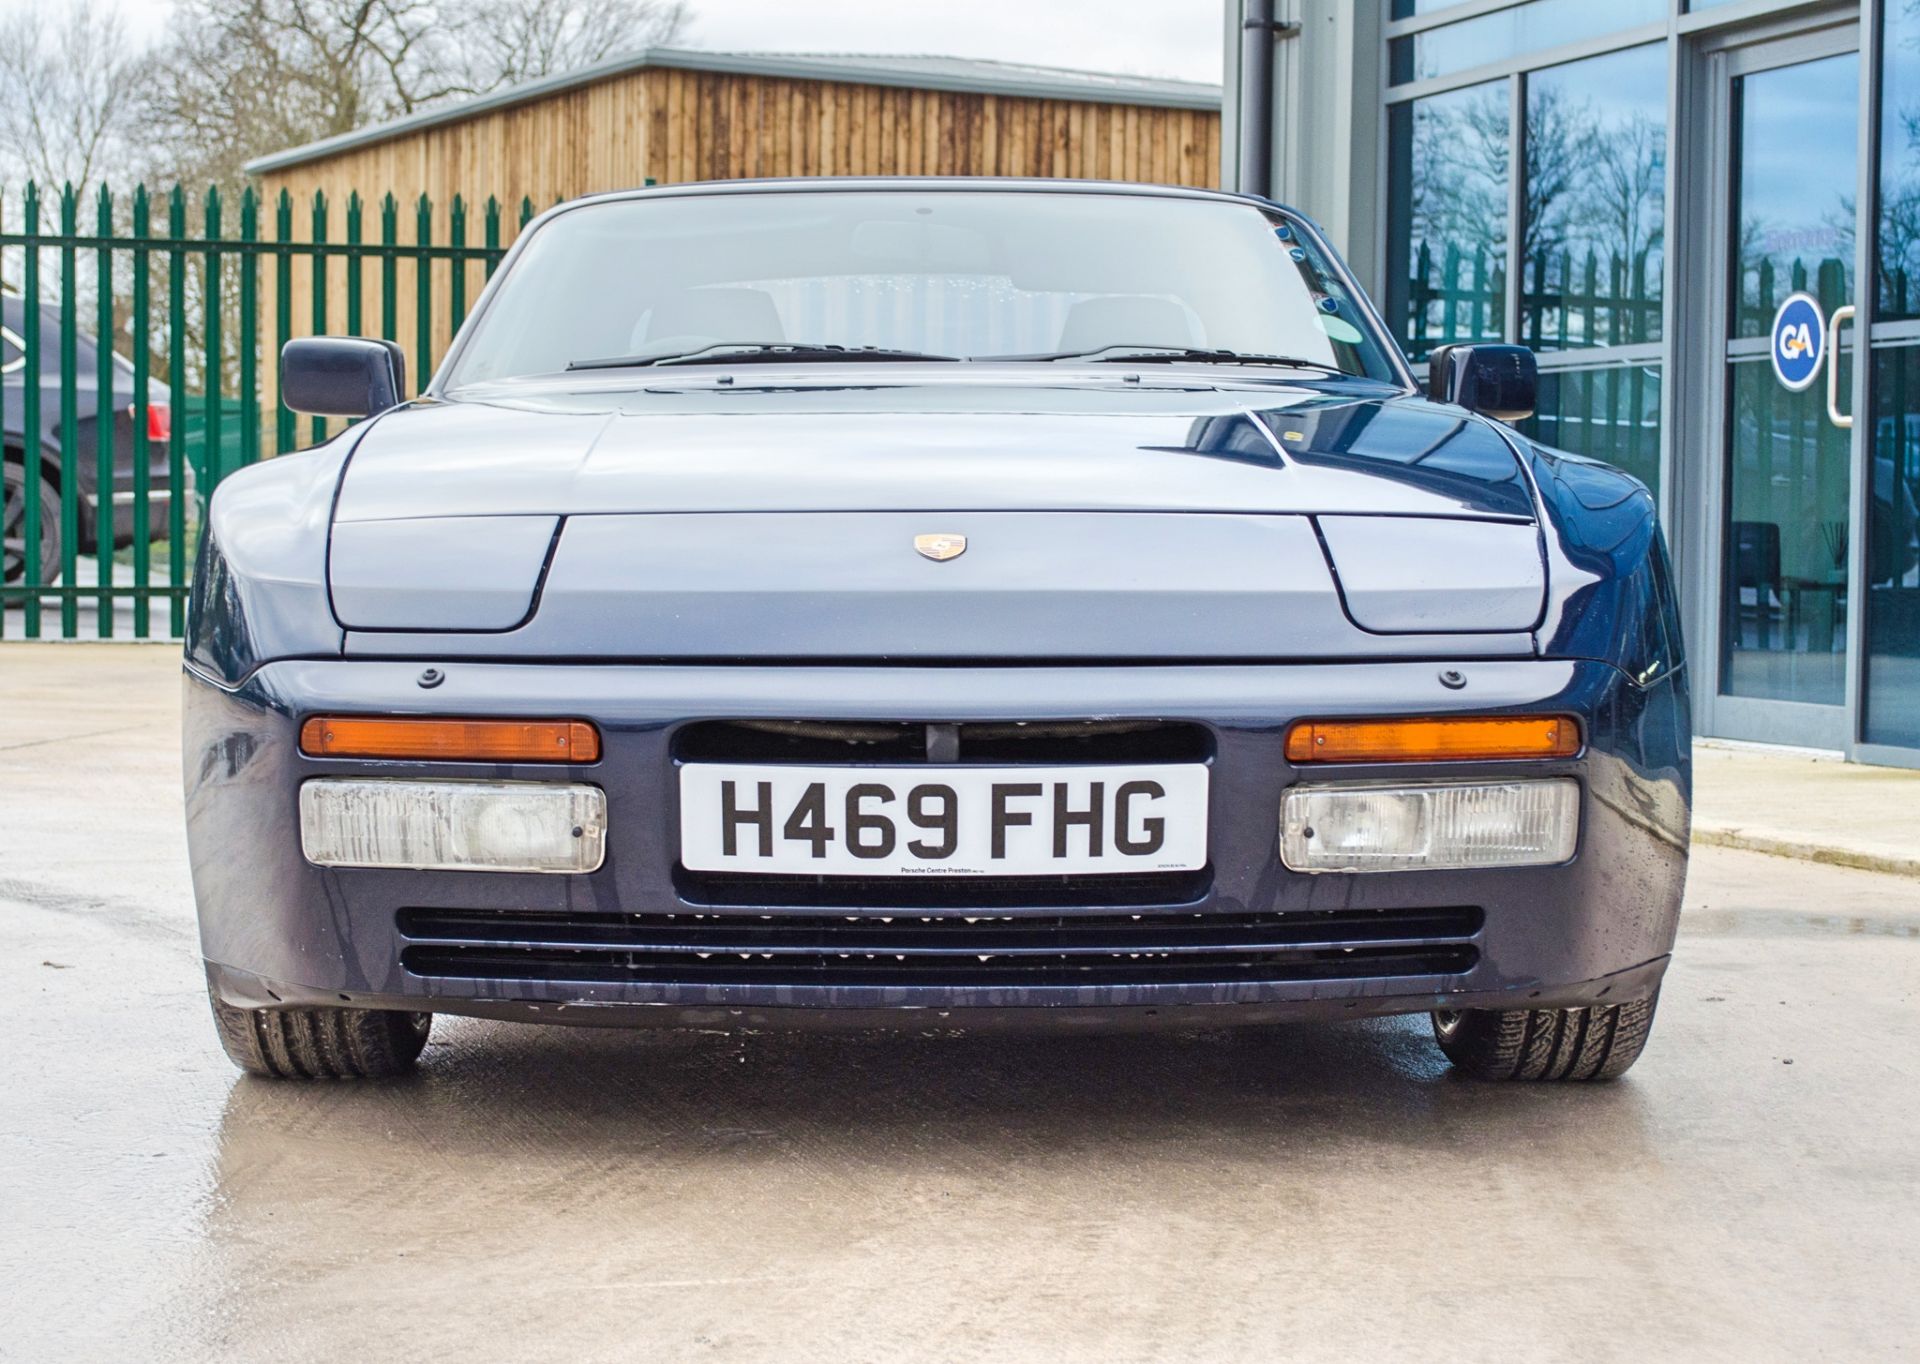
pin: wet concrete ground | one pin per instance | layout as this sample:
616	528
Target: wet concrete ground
1750	1191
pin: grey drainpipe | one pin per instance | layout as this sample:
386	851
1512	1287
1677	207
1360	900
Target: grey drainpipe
1258	31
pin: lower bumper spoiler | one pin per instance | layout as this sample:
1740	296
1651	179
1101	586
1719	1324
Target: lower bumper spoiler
1325	1004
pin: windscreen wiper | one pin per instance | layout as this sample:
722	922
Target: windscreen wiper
756	352
1130	354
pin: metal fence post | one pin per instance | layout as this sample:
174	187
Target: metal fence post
138	328
214	375
423	293
105	419
249	261
456	264
284	437
354	282
26	447
317	324
69	414
177	401
36	473
389	269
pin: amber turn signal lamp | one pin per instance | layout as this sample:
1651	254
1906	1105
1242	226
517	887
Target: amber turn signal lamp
471	741
1454	739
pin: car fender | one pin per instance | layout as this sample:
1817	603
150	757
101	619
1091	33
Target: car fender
260	584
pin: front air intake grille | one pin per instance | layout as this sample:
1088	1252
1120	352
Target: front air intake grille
956	951
997	742
1126	890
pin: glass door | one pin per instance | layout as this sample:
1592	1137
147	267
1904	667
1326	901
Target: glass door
1890	424
1790	115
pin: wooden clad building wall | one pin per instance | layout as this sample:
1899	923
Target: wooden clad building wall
673	125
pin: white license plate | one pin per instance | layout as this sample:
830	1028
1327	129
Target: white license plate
943	821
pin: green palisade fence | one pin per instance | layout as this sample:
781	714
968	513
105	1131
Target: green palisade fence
176	306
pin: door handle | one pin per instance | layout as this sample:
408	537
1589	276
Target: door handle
1841	316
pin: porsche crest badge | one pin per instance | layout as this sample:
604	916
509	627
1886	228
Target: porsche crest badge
941	546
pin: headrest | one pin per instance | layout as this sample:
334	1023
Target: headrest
717	314
1125	319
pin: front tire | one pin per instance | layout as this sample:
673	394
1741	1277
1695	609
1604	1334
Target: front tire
13	524
1595	1043
321	1044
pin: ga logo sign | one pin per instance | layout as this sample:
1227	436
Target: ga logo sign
1799	340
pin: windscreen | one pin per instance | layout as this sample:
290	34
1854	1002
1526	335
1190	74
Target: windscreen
961	274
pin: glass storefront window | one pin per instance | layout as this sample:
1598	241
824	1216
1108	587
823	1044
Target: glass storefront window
1900	163
1785	605
1408	9
1796	189
1595	201
1610	413
1891	704
1508	33
1580	179
1893	553
1784	582
1449	170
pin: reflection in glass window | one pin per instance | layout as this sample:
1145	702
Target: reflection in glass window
1784	606
1795	190
1509	32
1900	164
1609	413
1596	149
1449	174
1893	552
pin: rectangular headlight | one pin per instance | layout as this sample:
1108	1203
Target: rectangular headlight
453	825
1429	826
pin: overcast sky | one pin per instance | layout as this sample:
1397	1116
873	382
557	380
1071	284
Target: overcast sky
1180	38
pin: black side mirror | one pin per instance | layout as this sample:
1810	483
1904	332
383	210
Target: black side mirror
1501	382
342	376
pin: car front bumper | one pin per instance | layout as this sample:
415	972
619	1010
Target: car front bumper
279	931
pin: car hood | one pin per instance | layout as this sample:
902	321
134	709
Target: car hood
776	516
716	447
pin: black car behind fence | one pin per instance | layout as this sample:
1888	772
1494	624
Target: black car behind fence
137	369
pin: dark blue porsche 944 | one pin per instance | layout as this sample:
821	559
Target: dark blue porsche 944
934	603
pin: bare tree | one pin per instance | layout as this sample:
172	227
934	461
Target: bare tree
240	78
1559	154
1909	113
1460	143
1625	202
1900	195
66	97
494	43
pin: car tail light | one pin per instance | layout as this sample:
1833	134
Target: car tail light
453	825
1429	827
498	741
1461	738
159	421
